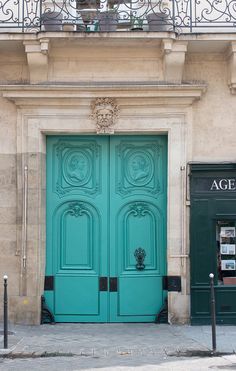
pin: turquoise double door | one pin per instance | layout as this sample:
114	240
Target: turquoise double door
106	227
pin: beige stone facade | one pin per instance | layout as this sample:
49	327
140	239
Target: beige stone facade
182	85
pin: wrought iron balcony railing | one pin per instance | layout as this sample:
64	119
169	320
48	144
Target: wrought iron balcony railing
181	16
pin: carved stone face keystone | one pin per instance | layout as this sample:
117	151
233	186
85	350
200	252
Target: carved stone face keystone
105	114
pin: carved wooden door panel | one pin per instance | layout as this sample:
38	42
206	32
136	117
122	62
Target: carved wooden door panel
106	227
138	226
77	219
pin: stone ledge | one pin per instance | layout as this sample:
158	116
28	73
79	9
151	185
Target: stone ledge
69	94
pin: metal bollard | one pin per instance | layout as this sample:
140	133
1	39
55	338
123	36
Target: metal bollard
5	313
213	312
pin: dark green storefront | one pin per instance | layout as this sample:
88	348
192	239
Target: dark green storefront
212	241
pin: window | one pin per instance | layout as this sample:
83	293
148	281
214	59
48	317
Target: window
226	240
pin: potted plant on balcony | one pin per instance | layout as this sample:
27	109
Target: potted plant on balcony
108	19
89	17
68	25
51	18
136	23
160	18
87	11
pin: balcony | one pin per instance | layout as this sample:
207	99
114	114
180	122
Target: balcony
179	16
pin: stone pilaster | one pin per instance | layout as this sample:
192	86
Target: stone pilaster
231	58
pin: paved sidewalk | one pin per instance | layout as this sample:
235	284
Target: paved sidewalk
117	347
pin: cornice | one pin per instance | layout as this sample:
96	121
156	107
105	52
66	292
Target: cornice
203	36
63	94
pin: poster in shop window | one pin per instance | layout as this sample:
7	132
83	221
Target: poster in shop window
227	265
227	249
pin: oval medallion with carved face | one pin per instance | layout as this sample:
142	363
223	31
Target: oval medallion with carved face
139	168
77	169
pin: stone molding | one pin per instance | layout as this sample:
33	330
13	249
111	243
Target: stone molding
231	59
143	109
37	124
46	95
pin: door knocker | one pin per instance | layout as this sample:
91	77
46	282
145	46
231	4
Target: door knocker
140	255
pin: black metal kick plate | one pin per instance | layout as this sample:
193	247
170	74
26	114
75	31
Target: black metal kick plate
49	283
172	283
113	284
103	284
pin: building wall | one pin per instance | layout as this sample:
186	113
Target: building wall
214	116
208	126
9	262
13	69
136	61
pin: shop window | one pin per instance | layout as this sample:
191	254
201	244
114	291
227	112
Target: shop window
226	254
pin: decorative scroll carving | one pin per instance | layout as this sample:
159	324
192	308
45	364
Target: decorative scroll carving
162	316
76	209
105	113
46	314
139	209
159	15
